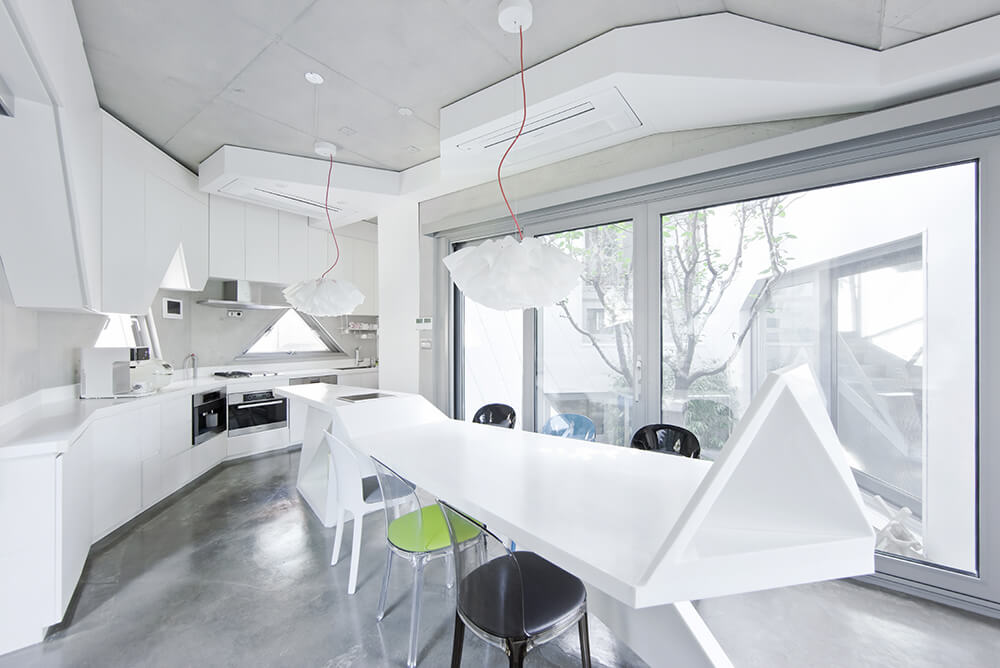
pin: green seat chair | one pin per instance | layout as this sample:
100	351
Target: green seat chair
419	534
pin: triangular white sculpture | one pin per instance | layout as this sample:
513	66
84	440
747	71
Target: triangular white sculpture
781	492
177	276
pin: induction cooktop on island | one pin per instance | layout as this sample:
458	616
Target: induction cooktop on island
245	374
354	398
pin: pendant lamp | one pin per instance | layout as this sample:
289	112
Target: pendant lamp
513	274
325	296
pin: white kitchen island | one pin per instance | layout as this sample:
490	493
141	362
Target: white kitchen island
647	532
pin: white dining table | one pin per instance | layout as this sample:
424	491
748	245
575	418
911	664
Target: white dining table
646	532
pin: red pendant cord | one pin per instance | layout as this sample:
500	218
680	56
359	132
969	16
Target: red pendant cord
326	207
524	100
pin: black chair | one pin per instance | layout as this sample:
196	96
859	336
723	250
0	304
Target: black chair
498	415
667	438
514	601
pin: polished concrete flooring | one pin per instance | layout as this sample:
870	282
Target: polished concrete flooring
235	572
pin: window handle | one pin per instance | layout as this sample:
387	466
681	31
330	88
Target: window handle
637	379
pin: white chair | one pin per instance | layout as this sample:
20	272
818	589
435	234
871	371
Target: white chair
357	492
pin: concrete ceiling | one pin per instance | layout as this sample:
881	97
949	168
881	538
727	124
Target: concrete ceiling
191	75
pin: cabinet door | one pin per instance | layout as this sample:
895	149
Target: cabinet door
117	495
74	528
261	230
316	257
226	252
206	455
364	271
175	425
123	233
293	248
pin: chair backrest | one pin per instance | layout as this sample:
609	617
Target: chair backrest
346	467
571	425
500	415
494	572
667	438
400	499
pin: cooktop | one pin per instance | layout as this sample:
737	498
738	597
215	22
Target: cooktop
244	374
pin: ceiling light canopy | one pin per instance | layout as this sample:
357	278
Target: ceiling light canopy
314	78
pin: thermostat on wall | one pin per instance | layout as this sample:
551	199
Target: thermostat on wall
173	308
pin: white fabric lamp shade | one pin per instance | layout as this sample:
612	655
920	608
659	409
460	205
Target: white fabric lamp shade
323	296
509	275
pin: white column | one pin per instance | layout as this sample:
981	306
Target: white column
399	297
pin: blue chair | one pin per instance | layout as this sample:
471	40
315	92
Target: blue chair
571	425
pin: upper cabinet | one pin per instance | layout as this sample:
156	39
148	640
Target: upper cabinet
254	243
154	227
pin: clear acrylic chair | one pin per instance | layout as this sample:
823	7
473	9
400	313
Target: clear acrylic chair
571	425
358	493
498	415
667	438
418	534
515	600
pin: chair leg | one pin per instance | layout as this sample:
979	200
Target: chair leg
584	640
449	565
418	585
352	582
385	585
456	646
518	650
339	538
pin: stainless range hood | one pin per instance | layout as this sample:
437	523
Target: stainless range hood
240	295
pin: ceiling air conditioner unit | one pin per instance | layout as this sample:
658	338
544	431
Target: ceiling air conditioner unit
285	197
563	129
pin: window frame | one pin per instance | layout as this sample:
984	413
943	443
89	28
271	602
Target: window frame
334	349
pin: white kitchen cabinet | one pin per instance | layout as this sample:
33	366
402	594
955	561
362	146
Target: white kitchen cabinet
226	238
150	209
116	471
293	248
206	455
261	242
364	271
175	424
74	532
316	256
362	379
176	471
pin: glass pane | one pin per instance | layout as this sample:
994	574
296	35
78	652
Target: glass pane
493	343
839	278
120	331
289	334
585	344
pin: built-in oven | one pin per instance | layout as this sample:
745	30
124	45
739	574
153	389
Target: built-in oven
251	412
208	415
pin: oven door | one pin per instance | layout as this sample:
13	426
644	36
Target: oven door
249	417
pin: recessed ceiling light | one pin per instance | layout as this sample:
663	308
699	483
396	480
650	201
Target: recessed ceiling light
405	111
347	130
314	78
412	149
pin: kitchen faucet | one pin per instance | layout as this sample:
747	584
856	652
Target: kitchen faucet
194	364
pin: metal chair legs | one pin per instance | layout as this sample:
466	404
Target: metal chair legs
456	646
516	651
584	640
385	585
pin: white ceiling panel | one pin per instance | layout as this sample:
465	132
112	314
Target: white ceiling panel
853	21
225	123
418	54
926	17
273	16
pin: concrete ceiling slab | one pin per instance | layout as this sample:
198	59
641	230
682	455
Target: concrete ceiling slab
927	17
857	22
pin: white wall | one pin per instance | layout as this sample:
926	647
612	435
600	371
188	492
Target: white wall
399	292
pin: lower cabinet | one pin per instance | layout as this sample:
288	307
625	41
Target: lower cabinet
208	454
116	471
74	531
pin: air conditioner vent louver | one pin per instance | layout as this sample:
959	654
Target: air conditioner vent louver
556	129
301	200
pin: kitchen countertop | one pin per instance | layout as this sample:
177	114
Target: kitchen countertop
46	422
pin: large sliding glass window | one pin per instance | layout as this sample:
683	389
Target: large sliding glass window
586	344
872	285
493	347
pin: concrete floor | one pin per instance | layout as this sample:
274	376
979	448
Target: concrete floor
235	572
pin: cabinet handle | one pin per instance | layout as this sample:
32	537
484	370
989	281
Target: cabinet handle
263	403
